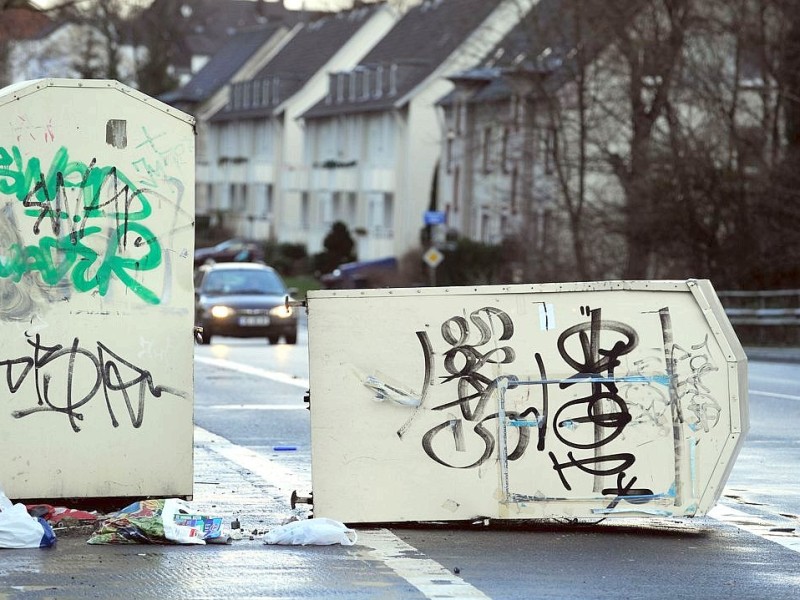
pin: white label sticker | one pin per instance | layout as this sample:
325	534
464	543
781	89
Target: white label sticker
547	316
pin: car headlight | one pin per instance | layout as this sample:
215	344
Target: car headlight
281	312
221	312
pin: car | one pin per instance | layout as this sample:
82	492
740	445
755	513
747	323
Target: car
243	300
233	250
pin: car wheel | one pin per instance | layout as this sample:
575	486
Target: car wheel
273	339
205	336
291	338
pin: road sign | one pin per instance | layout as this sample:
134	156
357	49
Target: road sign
433	257
435	217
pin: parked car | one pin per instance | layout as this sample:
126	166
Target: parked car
233	250
364	274
243	300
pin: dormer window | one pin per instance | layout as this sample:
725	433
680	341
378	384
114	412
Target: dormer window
365	83
276	91
393	80
378	81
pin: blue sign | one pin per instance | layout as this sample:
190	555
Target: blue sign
435	217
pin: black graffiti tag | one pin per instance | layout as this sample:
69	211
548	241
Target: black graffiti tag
114	375
463	362
603	406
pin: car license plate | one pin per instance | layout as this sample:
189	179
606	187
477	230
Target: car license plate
253	321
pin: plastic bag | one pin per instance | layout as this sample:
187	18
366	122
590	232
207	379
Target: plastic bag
169	521
317	532
20	530
183	526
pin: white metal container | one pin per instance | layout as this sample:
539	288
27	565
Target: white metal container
578	400
96	292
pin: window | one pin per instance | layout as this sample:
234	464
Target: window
449	151
337	206
750	143
486	145
365	81
276	91
380	214
378	81
550	150
516	112
264	208
505	160
326	216
350	217
514	189
456	184
305	211
485	234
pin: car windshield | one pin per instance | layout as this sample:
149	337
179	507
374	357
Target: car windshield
243	282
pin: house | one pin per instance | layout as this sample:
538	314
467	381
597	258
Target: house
496	178
207	93
549	142
255	179
373	142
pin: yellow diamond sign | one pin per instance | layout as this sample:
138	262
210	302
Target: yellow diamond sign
433	257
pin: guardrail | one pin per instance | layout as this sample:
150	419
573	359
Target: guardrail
764	318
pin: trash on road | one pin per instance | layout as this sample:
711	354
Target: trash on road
18	529
56	515
166	521
316	532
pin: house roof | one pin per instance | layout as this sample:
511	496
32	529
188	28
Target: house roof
415	47
541	46
207	25
23	24
293	66
223	65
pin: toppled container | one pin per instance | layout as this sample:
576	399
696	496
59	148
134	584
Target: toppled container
96	289
575	400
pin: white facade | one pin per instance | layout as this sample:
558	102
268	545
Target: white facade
391	187
257	175
210	172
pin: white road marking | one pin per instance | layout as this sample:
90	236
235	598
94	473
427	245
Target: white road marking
269	470
752	377
757	525
234	366
428	576
256	407
774	395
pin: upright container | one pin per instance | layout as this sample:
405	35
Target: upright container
577	400
96	292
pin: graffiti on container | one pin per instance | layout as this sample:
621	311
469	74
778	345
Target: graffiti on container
606	396
65	379
693	367
89	220
156	157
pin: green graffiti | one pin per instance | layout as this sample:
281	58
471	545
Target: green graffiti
75	198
